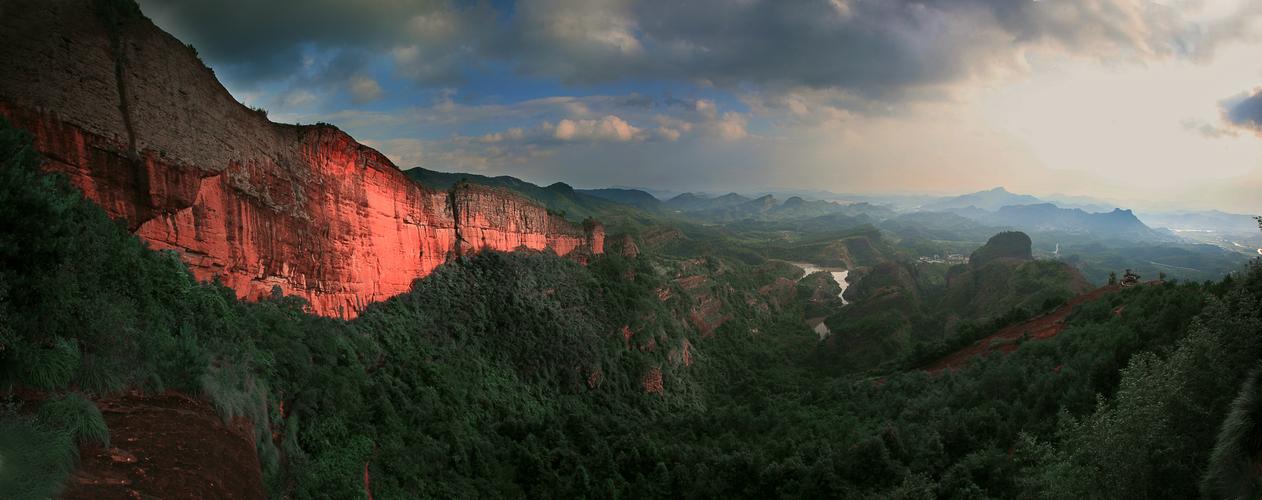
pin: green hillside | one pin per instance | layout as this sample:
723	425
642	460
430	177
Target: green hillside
559	197
901	306
662	376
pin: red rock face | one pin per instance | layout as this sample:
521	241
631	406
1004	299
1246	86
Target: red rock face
134	119
653	382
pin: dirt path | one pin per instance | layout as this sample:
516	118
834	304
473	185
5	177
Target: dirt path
167	446
1040	327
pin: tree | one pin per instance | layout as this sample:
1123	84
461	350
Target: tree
1233	471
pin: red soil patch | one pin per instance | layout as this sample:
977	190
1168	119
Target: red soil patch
691	282
1041	327
653	382
167	446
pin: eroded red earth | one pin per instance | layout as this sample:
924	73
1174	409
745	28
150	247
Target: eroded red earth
1005	340
167	446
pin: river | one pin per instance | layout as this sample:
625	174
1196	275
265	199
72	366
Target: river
839	275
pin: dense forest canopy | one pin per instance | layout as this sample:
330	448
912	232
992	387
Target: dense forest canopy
526	374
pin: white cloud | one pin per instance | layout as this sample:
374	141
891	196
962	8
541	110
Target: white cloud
706	108
405	153
731	127
512	134
364	90
608	128
299	98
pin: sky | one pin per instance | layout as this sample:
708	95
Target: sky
1146	103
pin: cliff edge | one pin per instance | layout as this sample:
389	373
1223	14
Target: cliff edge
135	120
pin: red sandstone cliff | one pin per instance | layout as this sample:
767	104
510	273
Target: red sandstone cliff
137	122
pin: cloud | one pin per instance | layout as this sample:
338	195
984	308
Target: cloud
364	90
299	98
608	128
266	38
530	131
615	118
405	153
826	90
1244	110
873	49
670	128
1209	130
811	107
731	127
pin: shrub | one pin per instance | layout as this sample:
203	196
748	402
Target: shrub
1233	468
34	460
76	416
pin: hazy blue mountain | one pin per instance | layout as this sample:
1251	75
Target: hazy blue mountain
993	199
937	226
736	207
1046	217
1209	220
692	202
633	197
1083	202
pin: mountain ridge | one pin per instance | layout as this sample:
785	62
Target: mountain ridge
991	199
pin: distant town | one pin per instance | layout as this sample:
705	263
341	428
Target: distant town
954	258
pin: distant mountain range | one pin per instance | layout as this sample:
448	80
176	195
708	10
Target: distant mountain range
1046	217
992	200
1210	220
993	208
633	197
609	203
733	206
692	202
1081	214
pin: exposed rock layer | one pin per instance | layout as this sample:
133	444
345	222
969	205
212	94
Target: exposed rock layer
137	122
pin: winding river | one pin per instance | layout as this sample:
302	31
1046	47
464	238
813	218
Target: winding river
839	275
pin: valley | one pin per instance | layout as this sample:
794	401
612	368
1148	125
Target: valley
838	275
198	301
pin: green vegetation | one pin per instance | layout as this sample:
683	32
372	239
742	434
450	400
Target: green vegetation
509	375
910	311
1231	465
36	458
38	450
560	198
1005	245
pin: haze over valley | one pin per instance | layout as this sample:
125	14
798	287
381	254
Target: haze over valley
630	249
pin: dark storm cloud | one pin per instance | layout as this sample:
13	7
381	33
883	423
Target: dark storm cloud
872	48
259	40
1245	110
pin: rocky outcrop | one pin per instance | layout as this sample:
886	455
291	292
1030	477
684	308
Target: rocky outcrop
137	122
1014	245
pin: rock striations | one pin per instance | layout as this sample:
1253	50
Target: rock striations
135	120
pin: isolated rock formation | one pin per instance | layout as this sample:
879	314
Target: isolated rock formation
137	122
1006	245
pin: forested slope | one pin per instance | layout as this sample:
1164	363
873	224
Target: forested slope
508	375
